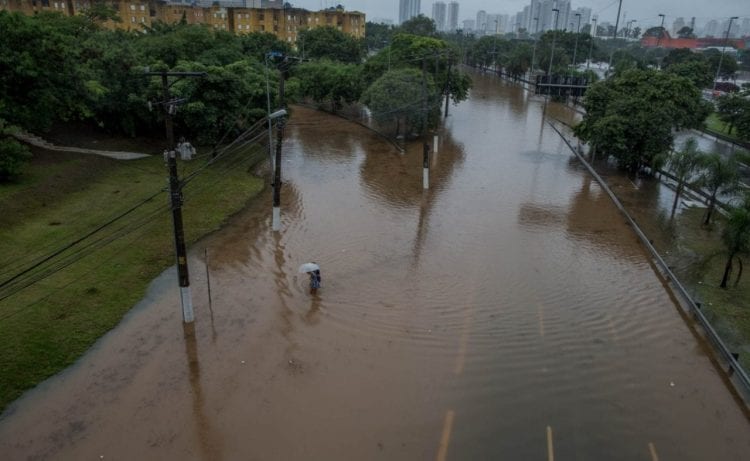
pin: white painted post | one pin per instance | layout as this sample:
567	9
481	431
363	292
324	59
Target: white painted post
276	225
435	140
187	305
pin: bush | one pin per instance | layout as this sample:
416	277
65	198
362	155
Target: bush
13	157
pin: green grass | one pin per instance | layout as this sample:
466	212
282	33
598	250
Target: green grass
48	325
713	123
726	308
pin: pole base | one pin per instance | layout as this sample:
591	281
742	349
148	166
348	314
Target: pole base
188	316
276	223
426	178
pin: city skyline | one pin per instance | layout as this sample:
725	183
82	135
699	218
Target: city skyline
646	12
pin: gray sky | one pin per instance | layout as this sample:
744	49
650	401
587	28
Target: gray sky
645	11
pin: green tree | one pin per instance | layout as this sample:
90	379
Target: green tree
419	25
697	71
684	164
378	35
331	43
13	154
227	100
736	238
40	72
720	177
401	96
632	116
731	108
258	44
99	12
729	65
685	32
330	82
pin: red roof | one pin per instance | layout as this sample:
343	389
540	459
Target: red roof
668	42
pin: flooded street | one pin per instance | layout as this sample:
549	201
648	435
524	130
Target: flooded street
506	313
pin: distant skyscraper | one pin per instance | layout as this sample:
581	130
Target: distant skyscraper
452	24
585	16
469	25
712	28
481	25
438	15
407	9
678	24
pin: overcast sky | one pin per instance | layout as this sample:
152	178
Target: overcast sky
645	11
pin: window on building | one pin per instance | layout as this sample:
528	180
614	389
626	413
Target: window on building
132	7
132	19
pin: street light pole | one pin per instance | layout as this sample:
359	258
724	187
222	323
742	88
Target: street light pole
661	31
721	58
591	45
494	49
554	37
578	31
536	39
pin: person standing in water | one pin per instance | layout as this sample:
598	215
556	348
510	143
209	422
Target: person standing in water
315	280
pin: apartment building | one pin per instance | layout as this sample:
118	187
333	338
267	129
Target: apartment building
285	23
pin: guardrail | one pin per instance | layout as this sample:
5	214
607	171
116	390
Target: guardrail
735	369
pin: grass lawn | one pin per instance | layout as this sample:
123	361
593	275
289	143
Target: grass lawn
713	123
726	308
49	316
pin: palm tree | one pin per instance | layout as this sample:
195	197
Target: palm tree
684	164
736	238
720	177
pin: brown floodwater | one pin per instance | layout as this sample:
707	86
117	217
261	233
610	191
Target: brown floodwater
506	313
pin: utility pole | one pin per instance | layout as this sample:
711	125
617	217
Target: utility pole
617	21
661	31
554	37
175	190
276	223
591	45
425	145
578	31
536	39
721	58
448	86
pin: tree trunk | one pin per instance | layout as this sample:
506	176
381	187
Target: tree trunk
727	272
676	198
739	273
710	210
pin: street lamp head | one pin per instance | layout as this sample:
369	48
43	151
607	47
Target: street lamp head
277	114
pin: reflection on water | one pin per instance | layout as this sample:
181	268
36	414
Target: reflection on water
508	298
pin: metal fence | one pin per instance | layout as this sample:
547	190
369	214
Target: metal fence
734	372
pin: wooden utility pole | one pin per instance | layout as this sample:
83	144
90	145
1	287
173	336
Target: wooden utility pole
175	191
276	223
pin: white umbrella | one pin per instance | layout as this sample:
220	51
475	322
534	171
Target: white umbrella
308	267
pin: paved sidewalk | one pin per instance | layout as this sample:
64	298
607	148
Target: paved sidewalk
39	142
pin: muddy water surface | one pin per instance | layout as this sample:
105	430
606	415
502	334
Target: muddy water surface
506	313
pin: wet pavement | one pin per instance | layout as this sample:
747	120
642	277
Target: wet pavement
506	313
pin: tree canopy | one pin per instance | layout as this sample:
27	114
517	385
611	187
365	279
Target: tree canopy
330	43
632	116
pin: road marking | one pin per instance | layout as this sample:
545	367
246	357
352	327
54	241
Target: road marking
445	438
652	449
634	185
550	447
